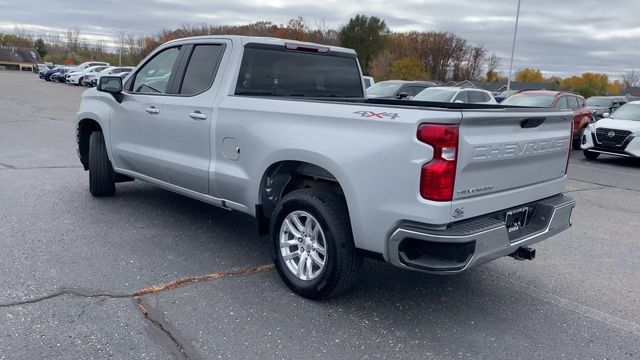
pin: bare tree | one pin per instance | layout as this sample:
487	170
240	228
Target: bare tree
380	67
631	79
73	39
492	65
23	32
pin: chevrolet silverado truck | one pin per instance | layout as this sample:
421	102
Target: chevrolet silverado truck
282	130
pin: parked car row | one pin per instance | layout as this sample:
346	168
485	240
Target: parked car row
85	74
601	105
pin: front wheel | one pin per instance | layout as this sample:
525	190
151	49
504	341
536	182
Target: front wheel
101	174
312	244
590	155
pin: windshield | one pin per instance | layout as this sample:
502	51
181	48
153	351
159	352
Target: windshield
529	100
627	112
599	102
384	89
433	94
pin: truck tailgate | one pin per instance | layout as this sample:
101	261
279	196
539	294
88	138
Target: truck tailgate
514	151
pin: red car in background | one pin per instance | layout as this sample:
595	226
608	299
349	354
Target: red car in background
556	99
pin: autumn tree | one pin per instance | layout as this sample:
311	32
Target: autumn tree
408	69
15	40
529	75
615	87
366	35
588	84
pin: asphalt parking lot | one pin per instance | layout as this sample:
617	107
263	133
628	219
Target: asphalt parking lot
89	278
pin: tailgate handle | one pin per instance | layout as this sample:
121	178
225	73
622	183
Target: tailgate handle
532	122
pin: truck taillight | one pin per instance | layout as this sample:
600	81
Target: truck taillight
438	175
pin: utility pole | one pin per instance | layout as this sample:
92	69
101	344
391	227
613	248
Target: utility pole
120	56
513	47
119	40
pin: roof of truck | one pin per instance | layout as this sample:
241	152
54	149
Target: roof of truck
261	40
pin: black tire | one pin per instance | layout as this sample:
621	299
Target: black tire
578	140
101	174
342	263
590	155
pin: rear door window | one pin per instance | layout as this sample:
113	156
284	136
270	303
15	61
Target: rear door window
562	103
274	71
573	103
476	97
462	97
201	69
413	90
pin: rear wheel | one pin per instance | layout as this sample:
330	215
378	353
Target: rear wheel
312	244
578	140
590	155
101	174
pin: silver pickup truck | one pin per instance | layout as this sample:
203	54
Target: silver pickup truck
283	131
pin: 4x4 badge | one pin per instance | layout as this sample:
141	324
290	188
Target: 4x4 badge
382	115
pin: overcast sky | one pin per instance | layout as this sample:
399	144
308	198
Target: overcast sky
558	37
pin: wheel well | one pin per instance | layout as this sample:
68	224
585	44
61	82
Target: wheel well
85	128
284	177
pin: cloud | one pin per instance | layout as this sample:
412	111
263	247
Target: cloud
560	37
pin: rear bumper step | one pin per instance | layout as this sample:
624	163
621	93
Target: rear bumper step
476	241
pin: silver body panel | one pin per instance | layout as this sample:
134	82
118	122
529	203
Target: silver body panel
377	161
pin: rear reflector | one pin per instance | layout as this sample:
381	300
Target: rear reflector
437	177
436	182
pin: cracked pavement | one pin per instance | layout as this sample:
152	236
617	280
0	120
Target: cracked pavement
150	274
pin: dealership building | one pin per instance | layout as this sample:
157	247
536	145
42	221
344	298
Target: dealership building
16	58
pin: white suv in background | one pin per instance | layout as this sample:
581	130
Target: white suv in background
455	95
93	78
89	64
78	77
617	134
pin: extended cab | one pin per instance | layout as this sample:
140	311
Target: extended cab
282	130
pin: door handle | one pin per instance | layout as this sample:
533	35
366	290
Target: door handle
197	115
152	110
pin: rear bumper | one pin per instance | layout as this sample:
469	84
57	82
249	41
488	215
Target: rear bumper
476	241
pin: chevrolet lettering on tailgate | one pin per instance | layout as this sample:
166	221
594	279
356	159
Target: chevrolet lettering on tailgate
520	149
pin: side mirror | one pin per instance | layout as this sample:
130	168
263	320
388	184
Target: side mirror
605	115
403	95
111	85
